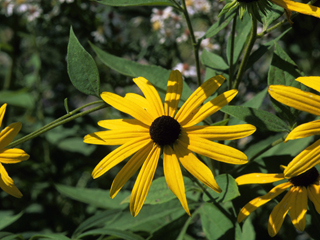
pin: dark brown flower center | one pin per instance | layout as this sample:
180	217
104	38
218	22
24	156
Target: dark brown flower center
164	130
305	179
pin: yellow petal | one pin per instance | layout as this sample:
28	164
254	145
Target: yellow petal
259	178
299	206
142	102
144	179
314	195
118	155
173	175
5	176
296	98
278	214
221	132
214	150
304	130
305	160
312	82
129	169
114	137
7	134
13	155
133	124
193	165
2	112
209	108
127	106
198	97
259	201
298	7
174	90
151	94
10	189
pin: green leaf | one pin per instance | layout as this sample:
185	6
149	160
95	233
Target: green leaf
10	236
222	22
284	71
76	144
259	118
19	98
158	76
82	69
95	197
50	236
272	15
212	60
112	232
127	3
228	186
7	218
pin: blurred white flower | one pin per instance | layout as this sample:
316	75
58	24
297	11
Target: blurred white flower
197	6
98	35
186	69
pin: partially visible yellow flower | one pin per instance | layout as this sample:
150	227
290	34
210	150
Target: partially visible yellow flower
158	128
295	201
9	156
308	102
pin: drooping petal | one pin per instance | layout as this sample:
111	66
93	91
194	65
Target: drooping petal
299	206
298	7
144	179
151	94
214	150
129	169
259	178
278	214
114	124
174	90
314	195
7	184
5	176
114	137
304	130
209	108
221	132
13	155
2	112
127	106
198	97
173	175
259	201
142	102
193	165
119	154
312	82
305	160
7	134
296	98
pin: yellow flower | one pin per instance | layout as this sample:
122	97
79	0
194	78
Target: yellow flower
308	102
157	128
295	201
9	156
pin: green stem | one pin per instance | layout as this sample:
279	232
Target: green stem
243	65
231	69
62	120
195	44
202	187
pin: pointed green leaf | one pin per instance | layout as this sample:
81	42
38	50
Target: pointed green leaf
126	3
53	236
82	69
19	98
7	218
222	22
212	60
112	232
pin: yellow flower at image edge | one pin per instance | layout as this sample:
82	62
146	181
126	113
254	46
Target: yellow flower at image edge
157	128
295	201
308	102
9	156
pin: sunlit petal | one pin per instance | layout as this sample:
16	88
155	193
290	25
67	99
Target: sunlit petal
198	97
174	90
296	98
151	94
221	132
304	130
144	179
13	155
2	112
298	7
114	124
305	160
259	201
129	169
7	184
173	175
142	102
193	165
299	206
259	178
312	82
7	134
127	106
119	154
